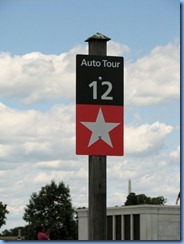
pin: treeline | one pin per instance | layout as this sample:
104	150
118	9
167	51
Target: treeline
133	199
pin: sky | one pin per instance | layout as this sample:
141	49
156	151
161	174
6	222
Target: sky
38	47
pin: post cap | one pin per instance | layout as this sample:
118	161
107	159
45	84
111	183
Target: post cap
98	36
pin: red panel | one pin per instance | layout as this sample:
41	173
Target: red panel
89	113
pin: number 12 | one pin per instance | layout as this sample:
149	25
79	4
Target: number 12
106	93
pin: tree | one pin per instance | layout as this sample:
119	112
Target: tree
3	212
133	199
51	207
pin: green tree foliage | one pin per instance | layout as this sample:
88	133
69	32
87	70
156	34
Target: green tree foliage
133	199
52	208
3	212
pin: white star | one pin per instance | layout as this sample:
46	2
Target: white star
100	129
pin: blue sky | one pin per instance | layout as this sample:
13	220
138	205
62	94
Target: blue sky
38	45
55	26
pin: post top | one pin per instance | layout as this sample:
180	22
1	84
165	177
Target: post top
98	36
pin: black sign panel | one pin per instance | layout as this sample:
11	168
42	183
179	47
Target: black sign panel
99	80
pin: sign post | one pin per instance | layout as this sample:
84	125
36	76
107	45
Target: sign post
99	123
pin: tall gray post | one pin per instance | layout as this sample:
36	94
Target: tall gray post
97	166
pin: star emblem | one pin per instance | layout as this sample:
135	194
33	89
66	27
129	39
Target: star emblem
100	129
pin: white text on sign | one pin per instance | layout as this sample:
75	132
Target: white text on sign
105	95
104	63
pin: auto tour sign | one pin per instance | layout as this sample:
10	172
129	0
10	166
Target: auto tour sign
99	105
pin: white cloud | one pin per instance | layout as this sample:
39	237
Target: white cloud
117	49
146	139
155	78
37	135
175	154
50	164
35	76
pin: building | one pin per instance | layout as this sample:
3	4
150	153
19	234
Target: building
137	222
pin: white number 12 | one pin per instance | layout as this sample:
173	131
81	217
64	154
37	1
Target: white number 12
106	93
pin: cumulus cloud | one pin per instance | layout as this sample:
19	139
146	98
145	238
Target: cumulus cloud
35	135
117	49
175	154
154	78
35	77
146	139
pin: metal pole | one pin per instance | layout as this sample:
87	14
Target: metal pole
97	167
